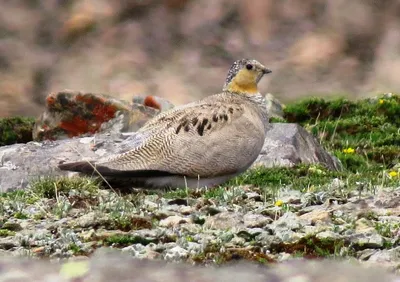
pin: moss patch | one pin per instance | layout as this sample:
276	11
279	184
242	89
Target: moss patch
51	187
16	130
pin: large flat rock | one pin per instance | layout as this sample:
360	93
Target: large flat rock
285	145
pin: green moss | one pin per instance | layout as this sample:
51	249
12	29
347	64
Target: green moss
277	120
6	233
20	215
16	130
125	240
179	193
51	187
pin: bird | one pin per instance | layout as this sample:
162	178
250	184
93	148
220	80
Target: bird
200	144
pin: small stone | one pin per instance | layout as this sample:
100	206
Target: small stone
88	235
91	219
176	253
366	254
285	257
8	243
289	221
39	250
364	225
289	237
328	235
173	221
317	216
253	196
185	210
371	241
256	220
237	241
12	226
224	221
150	205
194	248
141	252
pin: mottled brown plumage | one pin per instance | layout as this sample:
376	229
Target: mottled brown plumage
203	143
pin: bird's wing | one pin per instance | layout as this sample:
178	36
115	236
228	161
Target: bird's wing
207	138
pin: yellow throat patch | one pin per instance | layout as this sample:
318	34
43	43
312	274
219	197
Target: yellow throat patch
244	82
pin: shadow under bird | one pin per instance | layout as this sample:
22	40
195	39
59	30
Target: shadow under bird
203	143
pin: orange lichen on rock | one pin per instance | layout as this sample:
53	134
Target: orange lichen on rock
73	113
104	112
50	100
89	98
75	127
150	101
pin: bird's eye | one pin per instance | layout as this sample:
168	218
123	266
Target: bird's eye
249	66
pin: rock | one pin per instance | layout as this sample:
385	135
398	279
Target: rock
367	241
7	243
73	113
255	220
289	221
141	252
364	225
288	144
388	259
328	235
317	216
274	106
87	220
12	226
173	221
224	221
176	253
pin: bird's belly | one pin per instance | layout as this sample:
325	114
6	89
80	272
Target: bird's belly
189	182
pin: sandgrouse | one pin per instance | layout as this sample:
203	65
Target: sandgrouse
203	143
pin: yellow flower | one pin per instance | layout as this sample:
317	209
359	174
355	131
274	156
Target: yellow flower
279	203
393	173
348	151
381	101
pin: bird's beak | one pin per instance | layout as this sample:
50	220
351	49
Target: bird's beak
265	70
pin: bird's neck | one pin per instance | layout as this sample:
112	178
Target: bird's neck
242	88
257	98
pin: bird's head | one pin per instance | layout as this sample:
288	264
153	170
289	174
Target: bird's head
244	75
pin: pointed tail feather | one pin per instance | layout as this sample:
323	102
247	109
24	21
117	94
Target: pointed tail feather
91	167
83	166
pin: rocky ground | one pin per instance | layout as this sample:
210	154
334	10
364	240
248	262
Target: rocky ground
266	216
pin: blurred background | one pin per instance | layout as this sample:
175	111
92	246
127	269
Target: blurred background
182	49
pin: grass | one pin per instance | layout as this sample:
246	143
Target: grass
51	187
369	126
